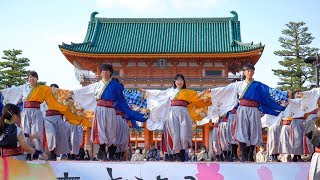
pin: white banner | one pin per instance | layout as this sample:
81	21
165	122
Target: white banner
176	171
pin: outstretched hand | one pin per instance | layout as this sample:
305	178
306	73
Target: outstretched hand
141	90
206	91
147	111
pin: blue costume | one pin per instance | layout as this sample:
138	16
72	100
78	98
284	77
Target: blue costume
114	92
268	98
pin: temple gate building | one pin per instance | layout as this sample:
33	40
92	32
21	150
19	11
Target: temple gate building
148	52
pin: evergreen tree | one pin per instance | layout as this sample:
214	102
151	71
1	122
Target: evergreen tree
295	73
13	68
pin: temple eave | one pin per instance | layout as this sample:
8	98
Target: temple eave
256	52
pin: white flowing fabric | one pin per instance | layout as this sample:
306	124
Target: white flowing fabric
158	102
14	94
293	109
225	99
87	96
309	100
270	121
203	121
314	172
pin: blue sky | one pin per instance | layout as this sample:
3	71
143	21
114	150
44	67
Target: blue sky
37	27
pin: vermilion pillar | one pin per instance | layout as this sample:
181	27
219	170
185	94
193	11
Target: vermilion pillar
205	135
148	138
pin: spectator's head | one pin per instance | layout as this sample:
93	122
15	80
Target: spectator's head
10	112
203	149
152	146
262	148
137	151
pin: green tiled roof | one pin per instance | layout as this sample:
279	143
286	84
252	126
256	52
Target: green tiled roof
162	36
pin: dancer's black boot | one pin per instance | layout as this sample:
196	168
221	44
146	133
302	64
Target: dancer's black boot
102	154
112	150
52	156
182	155
234	152
218	158
225	156
250	154
244	154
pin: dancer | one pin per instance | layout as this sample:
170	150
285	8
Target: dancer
170	110
102	96
32	95
254	97
56	131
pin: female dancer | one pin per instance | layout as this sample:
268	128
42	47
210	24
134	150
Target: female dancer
171	109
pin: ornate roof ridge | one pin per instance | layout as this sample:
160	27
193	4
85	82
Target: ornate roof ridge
165	20
249	44
74	44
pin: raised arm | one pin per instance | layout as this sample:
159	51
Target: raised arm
223	99
309	99
156	92
52	102
12	95
86	96
273	98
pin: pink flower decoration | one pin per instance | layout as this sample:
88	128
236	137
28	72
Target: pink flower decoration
210	171
264	173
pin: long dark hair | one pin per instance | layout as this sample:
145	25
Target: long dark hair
184	81
7	112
